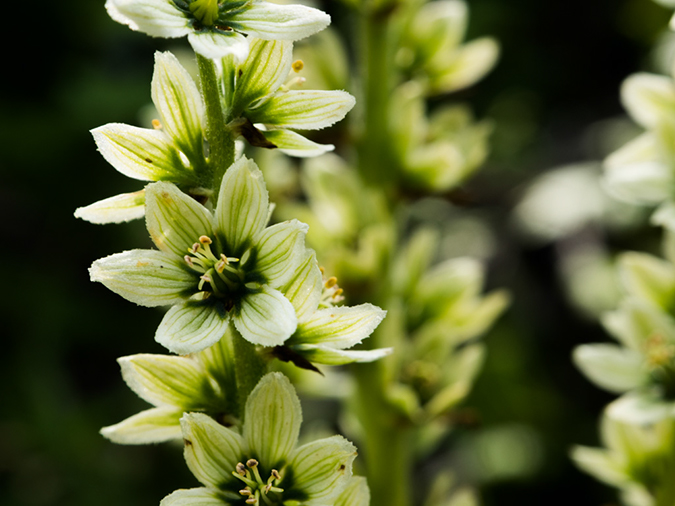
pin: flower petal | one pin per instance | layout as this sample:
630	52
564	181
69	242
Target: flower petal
648	278
467	66
211	450
294	144
147	277
117	209
280	248
175	220
167	380
304	289
263	72
214	45
159	18
243	205
155	425
266	317
648	97
303	109
192	327
319	354
193	497
141	153
266	20
611	367
323	468
356	493
339	327
272	420
179	104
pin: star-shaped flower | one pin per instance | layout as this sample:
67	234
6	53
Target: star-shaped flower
262	464
325	330
265	110
217	28
202	382
212	268
172	151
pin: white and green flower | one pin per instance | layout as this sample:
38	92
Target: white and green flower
326	331
172	151
213	268
202	382
266	111
218	28
263	464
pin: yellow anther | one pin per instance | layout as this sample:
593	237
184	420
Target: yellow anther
205	239
252	500
252	463
195	248
331	282
275	474
298	65
241	469
322	270
338	292
245	491
156	124
225	260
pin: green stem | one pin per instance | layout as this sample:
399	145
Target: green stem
387	442
249	367
218	135
375	158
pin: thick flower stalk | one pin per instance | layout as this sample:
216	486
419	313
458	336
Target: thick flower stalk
213	268
218	28
262	464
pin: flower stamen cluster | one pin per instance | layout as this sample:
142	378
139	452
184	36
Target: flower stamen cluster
256	488
213	269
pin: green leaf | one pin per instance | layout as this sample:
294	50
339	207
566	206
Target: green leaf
117	209
179	104
323	468
175	220
265	317
281	249
147	277
141	153
165	380
263	72
243	205
191	327
272	420
303	110
211	450
155	425
610	366
339	327
270	21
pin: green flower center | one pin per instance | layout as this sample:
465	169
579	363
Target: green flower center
257	489
217	271
205	11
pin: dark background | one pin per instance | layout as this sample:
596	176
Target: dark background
68	68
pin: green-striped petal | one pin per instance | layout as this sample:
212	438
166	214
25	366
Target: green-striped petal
339	327
270	21
146	277
155	425
281	248
272	420
265	317
294	144
118	209
192	327
175	220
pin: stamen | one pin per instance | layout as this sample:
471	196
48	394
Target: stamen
298	65
275	474
241	469
331	282
156	124
245	491
205	239
189	261
251	463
